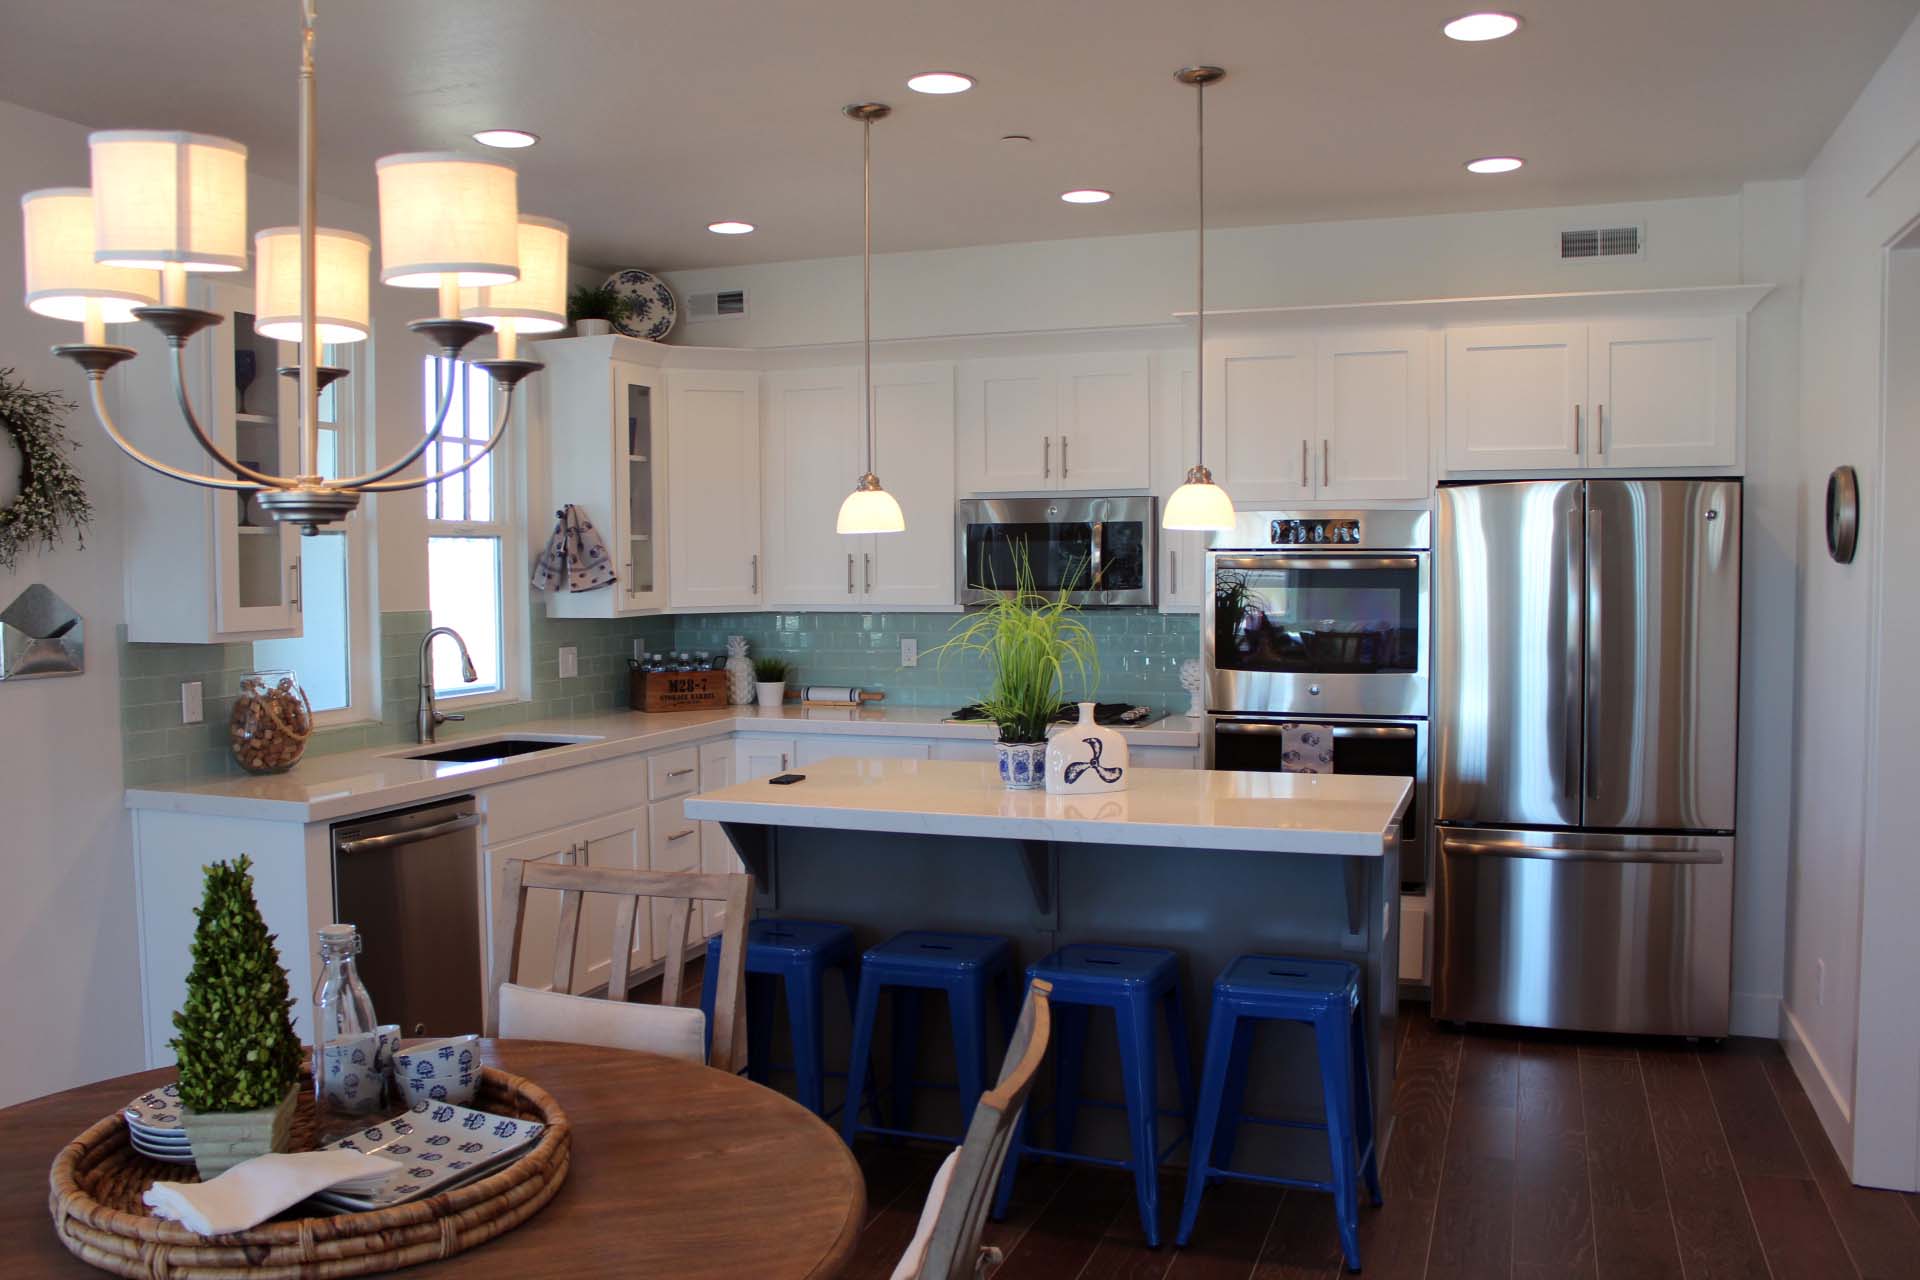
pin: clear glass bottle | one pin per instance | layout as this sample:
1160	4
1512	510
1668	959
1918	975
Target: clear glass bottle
349	1059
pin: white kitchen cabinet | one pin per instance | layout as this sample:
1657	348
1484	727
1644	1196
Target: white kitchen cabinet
816	747
756	756
716	851
816	451
676	847
1664	393
618	840
1261	417
1183	555
1371	415
206	566
1516	397
606	453
713	465
1067	423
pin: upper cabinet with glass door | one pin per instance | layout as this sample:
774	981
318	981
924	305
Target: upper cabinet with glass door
206	566
606	455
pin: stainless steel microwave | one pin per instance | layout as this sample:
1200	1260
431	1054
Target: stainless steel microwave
1101	550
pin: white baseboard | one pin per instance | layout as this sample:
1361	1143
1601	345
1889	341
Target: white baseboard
1830	1102
1753	1014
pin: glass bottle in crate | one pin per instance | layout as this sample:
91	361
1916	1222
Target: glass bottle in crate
351	1055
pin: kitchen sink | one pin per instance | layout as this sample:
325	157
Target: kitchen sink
492	749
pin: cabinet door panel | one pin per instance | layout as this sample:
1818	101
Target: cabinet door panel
1260	416
1373	415
1009	421
1516	397
713	424
1104	423
813	459
913	455
758	757
1664	393
620	841
1176	437
831	746
716	851
676	847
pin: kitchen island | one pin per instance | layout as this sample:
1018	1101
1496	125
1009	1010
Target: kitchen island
1211	864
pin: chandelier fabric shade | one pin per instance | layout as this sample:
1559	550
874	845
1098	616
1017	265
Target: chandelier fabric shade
167	199
63	281
342	264
537	301
444	215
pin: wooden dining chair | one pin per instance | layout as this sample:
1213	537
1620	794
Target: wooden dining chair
534	1014
946	1244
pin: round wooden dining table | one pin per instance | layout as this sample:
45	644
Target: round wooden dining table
677	1170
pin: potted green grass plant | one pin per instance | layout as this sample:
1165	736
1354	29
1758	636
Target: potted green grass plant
1036	649
239	1058
770	681
593	312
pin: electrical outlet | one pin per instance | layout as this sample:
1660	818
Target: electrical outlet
569	662
909	651
1819	981
192	707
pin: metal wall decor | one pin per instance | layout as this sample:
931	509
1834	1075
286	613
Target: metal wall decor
41	635
1843	514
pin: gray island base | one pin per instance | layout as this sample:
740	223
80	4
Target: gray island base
1209	864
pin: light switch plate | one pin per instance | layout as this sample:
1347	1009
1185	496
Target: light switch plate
909	651
192	705
569	662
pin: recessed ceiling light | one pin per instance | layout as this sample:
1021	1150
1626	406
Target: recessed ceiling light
1494	164
940	82
508	138
730	228
1475	27
1086	195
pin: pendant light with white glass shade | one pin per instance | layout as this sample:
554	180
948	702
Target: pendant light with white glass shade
176	203
869	508
1199	504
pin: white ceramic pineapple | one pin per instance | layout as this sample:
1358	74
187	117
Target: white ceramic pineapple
1191	680
739	672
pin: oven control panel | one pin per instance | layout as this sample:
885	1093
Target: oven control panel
1315	533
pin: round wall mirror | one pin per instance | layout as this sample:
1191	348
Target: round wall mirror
1843	514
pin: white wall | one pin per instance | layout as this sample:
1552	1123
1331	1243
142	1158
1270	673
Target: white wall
1861	191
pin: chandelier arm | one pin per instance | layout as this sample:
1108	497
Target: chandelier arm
259	479
421	482
370	479
153	464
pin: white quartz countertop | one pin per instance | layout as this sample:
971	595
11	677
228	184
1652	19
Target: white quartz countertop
1334	814
323	788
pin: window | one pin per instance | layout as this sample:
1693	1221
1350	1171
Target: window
468	534
332	657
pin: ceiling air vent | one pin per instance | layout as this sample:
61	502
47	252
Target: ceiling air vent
721	304
1582	243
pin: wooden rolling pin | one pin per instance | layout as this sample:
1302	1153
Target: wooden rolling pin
837	695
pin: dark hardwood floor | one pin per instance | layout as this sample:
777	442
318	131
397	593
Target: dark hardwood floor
1525	1155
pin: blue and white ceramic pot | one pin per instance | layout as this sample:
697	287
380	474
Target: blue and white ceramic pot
1023	765
1086	758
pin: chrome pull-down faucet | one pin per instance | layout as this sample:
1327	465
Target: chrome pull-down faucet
431	717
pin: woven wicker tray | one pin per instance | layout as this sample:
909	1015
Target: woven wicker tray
98	1178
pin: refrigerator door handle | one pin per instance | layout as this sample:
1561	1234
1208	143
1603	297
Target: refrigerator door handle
1501	848
1595	633
1570	761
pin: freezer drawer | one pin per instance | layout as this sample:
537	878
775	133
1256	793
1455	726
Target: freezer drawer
1583	931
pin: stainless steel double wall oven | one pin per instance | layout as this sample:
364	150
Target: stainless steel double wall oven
1321	617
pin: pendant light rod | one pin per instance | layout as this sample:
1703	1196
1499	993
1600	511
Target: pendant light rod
866	113
1200	78
309	254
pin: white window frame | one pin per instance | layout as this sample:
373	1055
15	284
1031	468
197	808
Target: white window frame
509	500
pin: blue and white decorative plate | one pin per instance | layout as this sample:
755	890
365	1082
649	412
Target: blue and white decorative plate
438	1145
655	309
158	1111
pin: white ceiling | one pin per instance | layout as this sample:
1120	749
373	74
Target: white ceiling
659	116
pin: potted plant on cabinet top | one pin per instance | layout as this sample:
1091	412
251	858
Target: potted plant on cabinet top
1029	642
239	1058
770	681
594	312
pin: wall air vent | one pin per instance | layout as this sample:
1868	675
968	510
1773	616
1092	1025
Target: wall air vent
721	304
1582	243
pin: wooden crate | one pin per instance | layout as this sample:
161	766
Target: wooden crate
677	690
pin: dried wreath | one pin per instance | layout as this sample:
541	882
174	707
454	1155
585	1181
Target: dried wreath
51	494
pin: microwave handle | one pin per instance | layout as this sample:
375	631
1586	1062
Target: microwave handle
1394	732
1099	532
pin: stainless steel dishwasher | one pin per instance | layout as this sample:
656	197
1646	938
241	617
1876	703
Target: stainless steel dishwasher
410	880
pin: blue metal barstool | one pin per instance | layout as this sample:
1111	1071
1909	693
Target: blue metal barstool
965	966
1326	995
1140	985
796	954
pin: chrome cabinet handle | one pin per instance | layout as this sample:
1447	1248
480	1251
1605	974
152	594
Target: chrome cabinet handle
1063	457
866	571
1305	480
680	835
1046	457
849	573
1576	431
1173	573
754	562
1600	429
1326	477
680	773
783	762
293	586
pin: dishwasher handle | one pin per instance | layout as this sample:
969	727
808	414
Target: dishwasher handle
392	838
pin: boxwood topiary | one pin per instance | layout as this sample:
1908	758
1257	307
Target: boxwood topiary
236	1044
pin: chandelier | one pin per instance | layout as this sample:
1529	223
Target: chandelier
163	205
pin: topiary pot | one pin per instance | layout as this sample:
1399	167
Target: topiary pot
222	1139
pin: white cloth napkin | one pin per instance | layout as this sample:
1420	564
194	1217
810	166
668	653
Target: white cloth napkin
253	1191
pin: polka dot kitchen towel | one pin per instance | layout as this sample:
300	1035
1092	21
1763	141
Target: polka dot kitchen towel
1306	748
575	559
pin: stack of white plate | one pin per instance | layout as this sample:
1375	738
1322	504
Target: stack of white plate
153	1124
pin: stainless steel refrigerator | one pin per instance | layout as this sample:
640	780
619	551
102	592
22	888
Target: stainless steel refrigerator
1586	642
